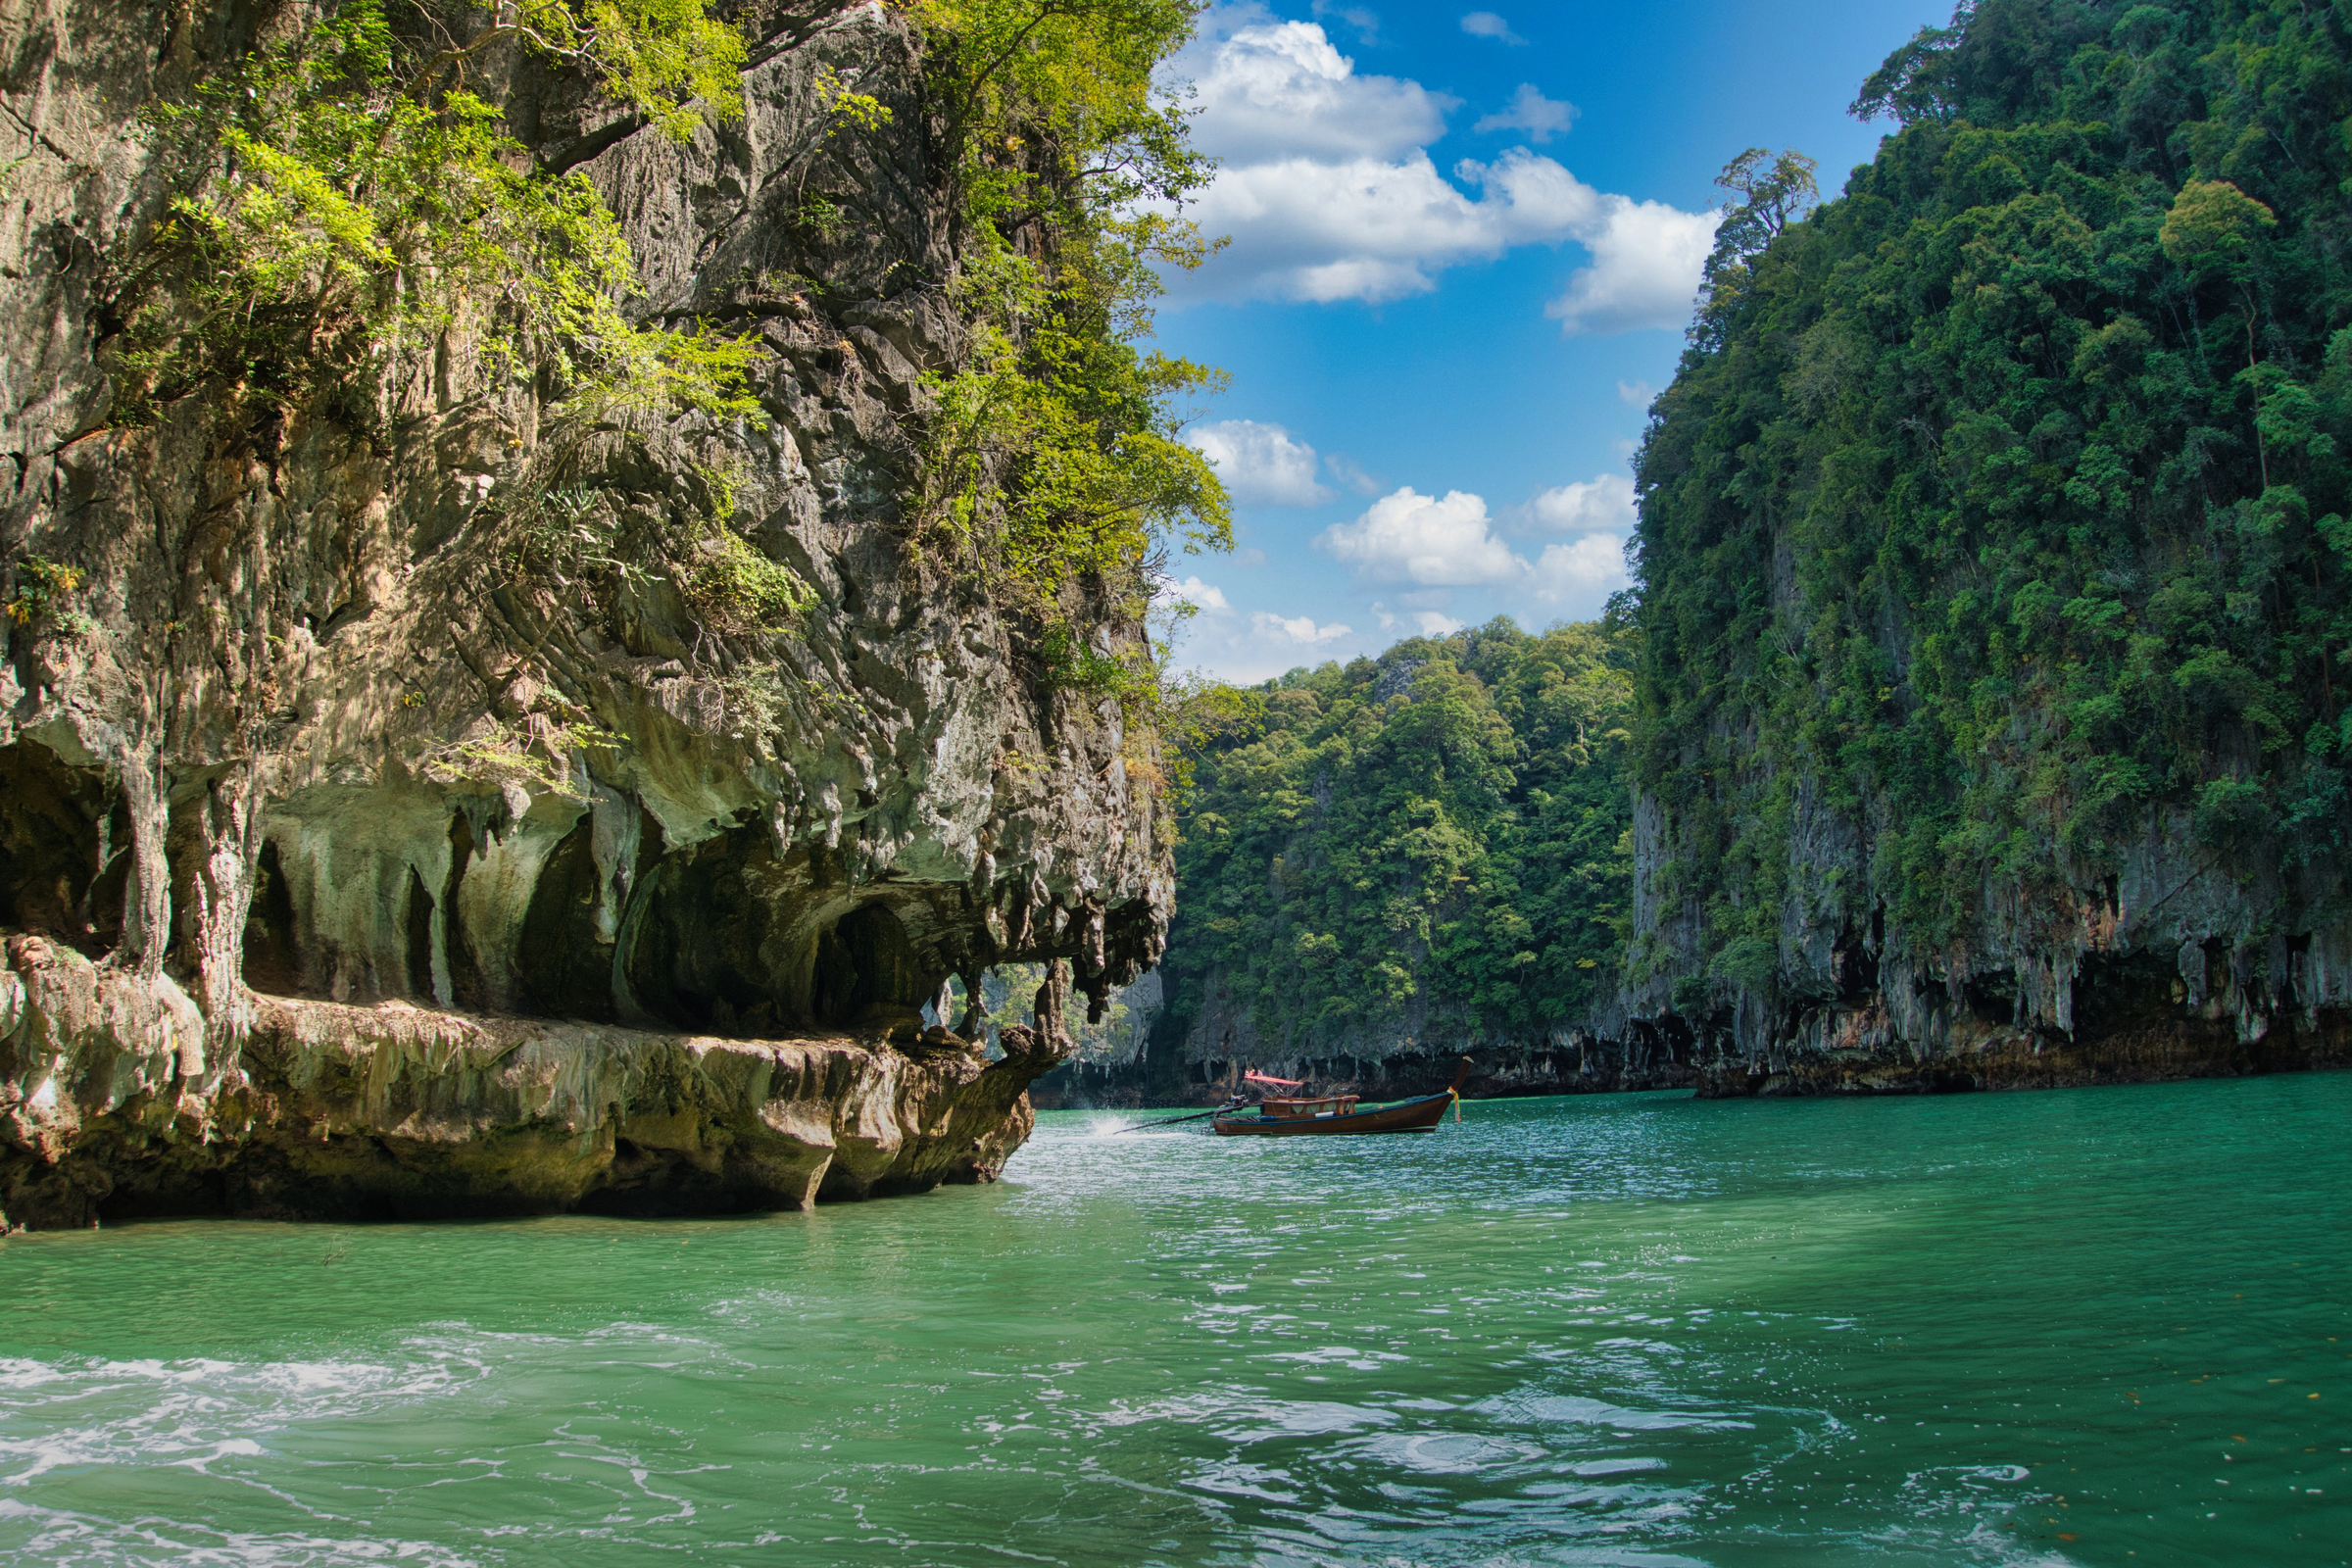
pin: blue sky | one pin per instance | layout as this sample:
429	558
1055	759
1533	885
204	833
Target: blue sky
1463	244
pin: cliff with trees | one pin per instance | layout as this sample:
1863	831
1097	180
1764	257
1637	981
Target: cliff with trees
1391	861
1994	575
564	566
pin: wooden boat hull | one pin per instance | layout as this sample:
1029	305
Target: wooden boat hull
1405	1117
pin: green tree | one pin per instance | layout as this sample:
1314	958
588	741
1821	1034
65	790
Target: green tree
1441	834
2000	507
1056	468
346	193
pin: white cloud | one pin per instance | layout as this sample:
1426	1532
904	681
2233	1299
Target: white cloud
1210	600
1351	474
1328	191
1530	111
1646	261
1260	463
1248	647
1586	506
1301	630
1426	541
1639	393
1428	622
1375	230
1486	25
1579	575
1268	89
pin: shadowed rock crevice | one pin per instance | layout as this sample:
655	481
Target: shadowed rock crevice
65	837
272	960
564	952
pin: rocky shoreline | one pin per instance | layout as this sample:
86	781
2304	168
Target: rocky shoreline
111	1108
2162	1049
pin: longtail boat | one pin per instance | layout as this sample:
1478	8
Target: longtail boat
1338	1113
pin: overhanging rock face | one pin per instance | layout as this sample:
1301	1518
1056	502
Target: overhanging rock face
328	1111
363	854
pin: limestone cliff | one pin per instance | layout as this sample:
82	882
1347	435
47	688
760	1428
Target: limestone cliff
1992	589
360	860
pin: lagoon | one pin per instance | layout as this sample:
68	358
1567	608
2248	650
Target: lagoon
2088	1327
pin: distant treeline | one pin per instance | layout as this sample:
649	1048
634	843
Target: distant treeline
1433	841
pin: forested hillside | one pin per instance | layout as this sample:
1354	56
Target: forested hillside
1994	570
1410	852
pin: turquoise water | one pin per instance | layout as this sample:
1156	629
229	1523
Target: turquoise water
2078	1326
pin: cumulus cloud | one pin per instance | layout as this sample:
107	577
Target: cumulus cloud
1428	622
1375	230
1638	393
1328	191
1268	89
1578	575
1647	262
1204	597
1586	506
1530	111
1425	541
1260	463
1486	25
1300	630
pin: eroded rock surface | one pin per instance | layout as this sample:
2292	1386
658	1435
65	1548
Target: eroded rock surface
365	856
2180	968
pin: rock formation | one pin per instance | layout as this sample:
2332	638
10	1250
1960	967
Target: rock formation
359	859
1991	599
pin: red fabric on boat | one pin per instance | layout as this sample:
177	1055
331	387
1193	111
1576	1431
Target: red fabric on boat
1287	1083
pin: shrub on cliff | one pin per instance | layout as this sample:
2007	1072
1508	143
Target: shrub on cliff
1054	468
343	193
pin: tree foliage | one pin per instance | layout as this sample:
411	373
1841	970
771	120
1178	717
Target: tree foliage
345	193
2003	505
1056	463
1772	192
1436	840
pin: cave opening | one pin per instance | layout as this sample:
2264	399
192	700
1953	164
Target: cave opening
2121	992
865	966
65	850
273	958
465	988
1854	968
562	964
696	935
1991	998
417	933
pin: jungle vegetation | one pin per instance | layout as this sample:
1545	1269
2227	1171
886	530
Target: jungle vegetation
1437	841
347	199
2002	500
1055	467
342	193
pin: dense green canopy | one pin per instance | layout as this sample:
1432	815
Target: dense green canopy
1438	840
2002	500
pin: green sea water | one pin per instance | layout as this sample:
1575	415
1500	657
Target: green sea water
2097	1327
